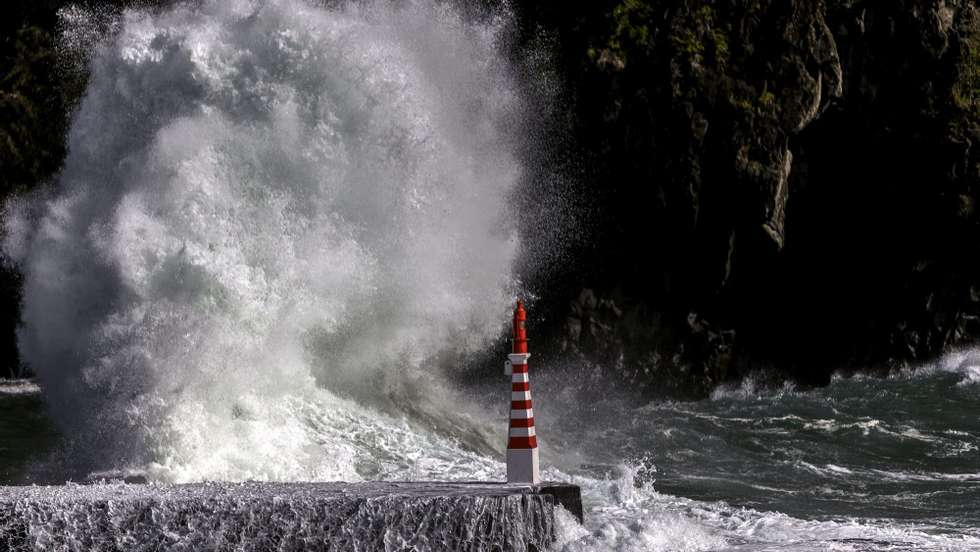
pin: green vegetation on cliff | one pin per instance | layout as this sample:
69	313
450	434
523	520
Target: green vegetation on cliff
966	90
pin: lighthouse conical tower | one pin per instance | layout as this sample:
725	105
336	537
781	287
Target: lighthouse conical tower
522	443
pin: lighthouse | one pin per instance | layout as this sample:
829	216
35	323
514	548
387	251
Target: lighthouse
522	443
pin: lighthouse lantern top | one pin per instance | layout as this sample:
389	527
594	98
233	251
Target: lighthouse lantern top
520	333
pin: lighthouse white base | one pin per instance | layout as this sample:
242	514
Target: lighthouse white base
522	466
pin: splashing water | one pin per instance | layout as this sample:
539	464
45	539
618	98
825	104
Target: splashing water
260	197
273	220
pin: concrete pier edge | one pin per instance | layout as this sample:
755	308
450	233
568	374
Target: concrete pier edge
566	495
425	514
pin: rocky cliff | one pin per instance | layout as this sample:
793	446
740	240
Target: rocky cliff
772	184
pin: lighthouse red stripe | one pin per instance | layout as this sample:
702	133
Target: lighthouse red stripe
519	368
522	422
523	442
520	386
520	405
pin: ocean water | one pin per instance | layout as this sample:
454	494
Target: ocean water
863	464
280	227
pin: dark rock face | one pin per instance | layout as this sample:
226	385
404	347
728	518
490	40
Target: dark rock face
639	346
775	184
9	306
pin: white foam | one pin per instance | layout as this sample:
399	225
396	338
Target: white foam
18	387
752	387
964	362
645	519
268	206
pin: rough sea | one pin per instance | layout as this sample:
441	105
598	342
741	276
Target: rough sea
279	224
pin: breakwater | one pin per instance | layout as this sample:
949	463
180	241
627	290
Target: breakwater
283	516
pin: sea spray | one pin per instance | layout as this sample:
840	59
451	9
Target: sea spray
271	214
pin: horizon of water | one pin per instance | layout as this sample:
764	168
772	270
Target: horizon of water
279	223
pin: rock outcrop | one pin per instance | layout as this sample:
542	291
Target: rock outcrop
782	184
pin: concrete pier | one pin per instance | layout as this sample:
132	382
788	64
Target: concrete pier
284	516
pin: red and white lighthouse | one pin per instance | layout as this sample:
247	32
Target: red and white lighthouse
522	442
